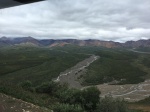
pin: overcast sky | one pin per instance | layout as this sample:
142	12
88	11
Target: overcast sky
116	20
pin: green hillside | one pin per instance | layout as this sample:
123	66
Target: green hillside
115	65
35	64
26	73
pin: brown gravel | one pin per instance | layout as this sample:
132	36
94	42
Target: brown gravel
10	104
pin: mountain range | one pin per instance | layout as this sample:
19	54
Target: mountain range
30	41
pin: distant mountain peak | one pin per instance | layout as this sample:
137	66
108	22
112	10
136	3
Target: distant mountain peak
62	42
138	43
4	38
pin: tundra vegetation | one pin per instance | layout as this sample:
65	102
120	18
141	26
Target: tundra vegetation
27	73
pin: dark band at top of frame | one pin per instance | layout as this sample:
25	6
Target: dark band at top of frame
28	1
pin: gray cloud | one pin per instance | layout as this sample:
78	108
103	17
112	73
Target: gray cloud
117	20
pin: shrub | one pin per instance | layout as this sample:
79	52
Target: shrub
27	85
67	108
108	104
49	88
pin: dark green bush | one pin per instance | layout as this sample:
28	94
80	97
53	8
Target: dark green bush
108	104
67	108
89	98
27	85
49	88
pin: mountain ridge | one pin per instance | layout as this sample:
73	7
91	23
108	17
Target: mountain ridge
5	41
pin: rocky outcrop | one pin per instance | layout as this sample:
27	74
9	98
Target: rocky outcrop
136	44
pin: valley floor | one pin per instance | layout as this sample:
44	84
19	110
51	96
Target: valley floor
130	92
145	108
71	75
